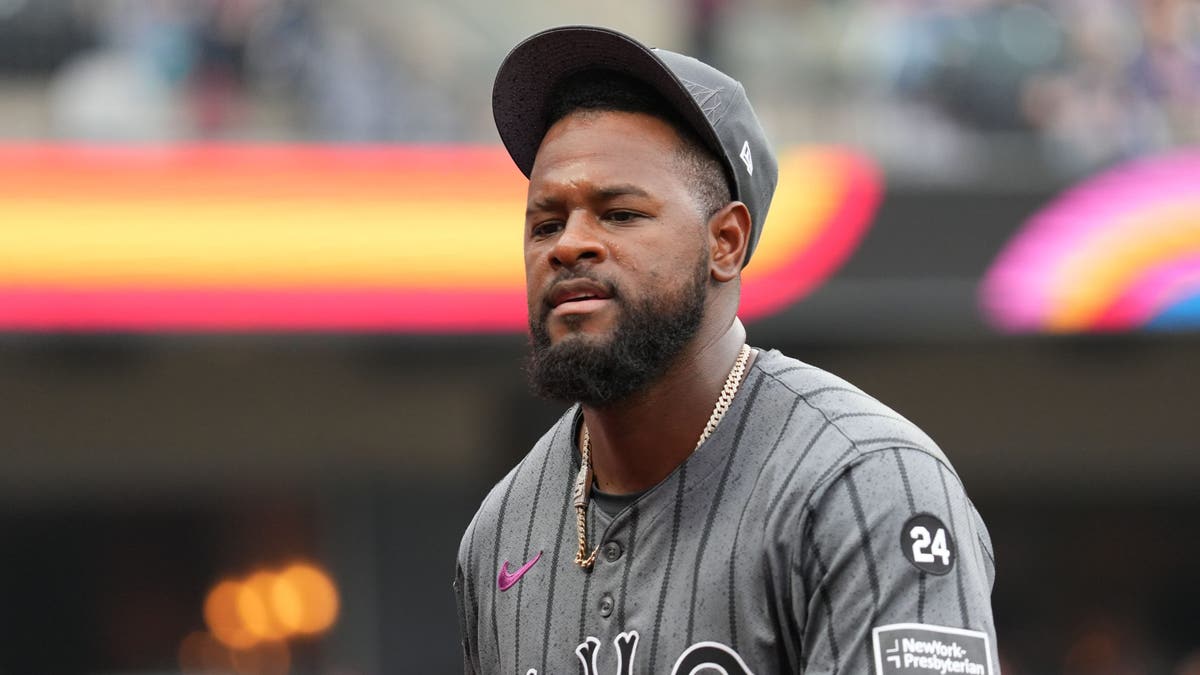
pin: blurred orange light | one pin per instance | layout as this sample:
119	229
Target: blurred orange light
221	613
254	607
305	599
288	603
269	607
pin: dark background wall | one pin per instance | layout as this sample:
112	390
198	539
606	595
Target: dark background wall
139	470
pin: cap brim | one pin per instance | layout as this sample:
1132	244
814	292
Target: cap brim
532	69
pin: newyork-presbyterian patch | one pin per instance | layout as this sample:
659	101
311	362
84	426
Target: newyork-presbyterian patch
924	649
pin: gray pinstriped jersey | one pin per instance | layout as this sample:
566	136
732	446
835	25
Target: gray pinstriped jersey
816	531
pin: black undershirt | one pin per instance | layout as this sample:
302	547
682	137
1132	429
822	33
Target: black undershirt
612	504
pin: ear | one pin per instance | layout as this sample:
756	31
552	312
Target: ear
729	236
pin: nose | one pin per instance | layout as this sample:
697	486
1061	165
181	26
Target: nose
579	240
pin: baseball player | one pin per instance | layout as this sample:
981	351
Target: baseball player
703	506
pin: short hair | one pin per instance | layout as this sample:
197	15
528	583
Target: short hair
609	91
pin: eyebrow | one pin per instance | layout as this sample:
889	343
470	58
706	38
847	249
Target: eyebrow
621	191
604	194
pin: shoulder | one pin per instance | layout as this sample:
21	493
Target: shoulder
525	479
830	425
854	412
863	517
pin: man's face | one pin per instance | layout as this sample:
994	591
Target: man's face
616	256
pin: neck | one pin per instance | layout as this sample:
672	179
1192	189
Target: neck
637	442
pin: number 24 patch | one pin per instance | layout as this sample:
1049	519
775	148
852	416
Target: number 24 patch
927	544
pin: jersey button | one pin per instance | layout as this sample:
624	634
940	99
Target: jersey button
606	606
612	551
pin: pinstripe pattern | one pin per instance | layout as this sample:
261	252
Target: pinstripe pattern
677	516
781	537
500	530
562	538
630	549
827	605
733	636
525	555
784	485
912	511
826	390
888	416
868	554
962	594
716	505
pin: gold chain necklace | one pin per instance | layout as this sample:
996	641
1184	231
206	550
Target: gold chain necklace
583	480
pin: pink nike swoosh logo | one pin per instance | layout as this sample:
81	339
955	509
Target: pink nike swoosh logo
506	580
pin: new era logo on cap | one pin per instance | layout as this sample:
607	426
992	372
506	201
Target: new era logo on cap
746	158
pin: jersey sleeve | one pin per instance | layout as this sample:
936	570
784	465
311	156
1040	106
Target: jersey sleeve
465	624
466	601
895	570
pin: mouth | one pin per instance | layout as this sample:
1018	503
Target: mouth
577	297
577	292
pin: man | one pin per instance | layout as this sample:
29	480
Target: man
704	506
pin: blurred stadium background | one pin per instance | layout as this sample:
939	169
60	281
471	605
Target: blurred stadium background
259	359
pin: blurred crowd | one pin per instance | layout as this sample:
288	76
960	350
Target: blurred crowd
929	86
953	89
1093	80
153	70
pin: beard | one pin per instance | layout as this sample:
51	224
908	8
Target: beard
649	336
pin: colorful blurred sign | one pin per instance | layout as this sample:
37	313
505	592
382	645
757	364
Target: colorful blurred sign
332	238
1120	251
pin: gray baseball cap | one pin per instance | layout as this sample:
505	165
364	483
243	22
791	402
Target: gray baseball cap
711	102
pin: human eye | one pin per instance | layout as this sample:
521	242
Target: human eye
544	229
622	216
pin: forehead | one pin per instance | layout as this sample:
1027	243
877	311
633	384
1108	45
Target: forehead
597	147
